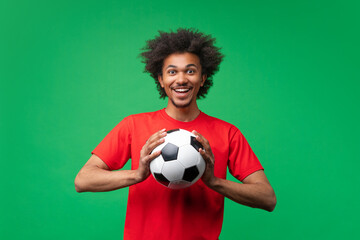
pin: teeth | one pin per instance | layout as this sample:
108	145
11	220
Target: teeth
181	90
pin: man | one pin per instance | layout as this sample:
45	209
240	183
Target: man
182	64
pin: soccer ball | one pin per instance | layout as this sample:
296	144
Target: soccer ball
180	164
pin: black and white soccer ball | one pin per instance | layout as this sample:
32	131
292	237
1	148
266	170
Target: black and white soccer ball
180	164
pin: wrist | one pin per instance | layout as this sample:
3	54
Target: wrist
137	177
213	183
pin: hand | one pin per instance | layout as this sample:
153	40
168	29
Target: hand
146	156
208	176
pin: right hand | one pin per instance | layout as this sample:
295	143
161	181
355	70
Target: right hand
146	156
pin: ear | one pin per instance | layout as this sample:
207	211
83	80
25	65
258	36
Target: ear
161	81
204	77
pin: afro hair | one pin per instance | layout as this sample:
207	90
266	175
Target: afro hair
183	40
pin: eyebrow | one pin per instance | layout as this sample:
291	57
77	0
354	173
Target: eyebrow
189	65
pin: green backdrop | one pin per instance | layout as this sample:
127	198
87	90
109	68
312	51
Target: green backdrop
290	81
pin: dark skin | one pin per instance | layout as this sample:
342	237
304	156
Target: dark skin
95	175
181	79
255	191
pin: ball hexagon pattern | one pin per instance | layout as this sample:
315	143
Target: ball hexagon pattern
180	164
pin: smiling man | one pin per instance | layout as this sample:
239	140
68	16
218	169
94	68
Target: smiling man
182	63
181	79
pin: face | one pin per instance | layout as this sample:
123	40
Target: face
181	79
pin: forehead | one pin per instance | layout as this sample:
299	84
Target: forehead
182	60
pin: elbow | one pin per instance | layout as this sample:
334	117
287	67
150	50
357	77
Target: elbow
78	185
271	203
78	188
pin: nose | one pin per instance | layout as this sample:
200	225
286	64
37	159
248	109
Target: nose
182	79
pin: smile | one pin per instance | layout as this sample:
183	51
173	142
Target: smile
182	90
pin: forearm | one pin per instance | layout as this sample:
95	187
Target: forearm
94	179
257	195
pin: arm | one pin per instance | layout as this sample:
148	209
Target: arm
255	191
95	175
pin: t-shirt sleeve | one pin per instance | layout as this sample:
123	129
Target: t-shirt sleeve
242	159
115	148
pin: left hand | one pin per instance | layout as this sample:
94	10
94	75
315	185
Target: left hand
208	176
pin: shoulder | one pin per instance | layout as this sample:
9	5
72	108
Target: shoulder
220	127
142	117
219	123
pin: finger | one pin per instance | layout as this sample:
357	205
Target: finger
155	140
198	136
203	153
152	156
153	144
150	146
202	140
207	158
157	135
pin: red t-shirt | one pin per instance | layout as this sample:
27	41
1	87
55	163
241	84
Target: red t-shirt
156	212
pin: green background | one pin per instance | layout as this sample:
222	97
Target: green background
70	72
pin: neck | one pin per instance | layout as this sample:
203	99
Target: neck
185	114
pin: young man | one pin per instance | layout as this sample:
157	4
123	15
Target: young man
182	64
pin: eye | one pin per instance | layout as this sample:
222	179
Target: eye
171	72
190	71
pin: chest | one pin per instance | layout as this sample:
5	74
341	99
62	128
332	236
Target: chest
217	139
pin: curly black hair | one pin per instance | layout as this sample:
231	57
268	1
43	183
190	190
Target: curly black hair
183	40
